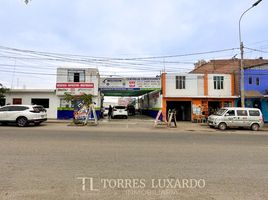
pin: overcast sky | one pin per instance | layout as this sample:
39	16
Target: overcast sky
125	29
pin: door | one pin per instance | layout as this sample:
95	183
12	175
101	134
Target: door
230	118
3	113
242	118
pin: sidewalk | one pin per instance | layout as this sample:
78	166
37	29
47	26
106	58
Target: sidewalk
148	123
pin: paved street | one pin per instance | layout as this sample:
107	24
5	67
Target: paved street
47	162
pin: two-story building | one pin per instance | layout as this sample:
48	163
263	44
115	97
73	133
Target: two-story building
256	88
196	95
76	81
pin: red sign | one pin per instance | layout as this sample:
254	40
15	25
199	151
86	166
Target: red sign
75	85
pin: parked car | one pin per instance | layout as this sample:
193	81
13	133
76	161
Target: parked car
237	117
22	115
120	111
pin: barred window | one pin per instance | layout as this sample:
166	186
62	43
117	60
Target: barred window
76	75
218	82
180	82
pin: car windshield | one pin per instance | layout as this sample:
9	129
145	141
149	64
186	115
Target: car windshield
220	112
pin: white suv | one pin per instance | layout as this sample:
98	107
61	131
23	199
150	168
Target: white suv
22	115
120	111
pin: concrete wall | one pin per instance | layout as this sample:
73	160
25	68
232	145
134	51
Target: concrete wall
27	95
262	74
91	76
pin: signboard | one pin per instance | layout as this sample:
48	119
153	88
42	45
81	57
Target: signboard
142	83
74	88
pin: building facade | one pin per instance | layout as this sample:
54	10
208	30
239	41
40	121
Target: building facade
76	81
256	89
45	97
195	96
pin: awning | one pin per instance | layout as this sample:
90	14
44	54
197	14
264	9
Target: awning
253	94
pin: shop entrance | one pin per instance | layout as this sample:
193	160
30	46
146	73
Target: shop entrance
183	109
213	106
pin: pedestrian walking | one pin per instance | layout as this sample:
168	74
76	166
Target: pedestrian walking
110	111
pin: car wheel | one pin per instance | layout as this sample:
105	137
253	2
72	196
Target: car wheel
222	126
22	121
255	127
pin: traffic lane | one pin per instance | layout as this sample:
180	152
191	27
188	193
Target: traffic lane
50	163
63	132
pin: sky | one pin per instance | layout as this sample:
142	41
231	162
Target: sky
123	29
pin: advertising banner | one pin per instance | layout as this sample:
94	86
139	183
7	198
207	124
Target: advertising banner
142	83
74	88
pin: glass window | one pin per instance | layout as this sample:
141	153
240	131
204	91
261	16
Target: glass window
230	113
18	108
65	104
41	102
218	82
180	82
254	113
6	108
242	113
76	75
257	81
250	80
220	112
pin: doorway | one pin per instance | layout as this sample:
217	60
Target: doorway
183	109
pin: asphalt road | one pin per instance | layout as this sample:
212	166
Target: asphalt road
51	163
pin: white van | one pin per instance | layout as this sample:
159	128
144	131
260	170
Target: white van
236	117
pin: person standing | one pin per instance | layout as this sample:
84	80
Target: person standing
110	111
173	119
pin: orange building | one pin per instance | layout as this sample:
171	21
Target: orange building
195	96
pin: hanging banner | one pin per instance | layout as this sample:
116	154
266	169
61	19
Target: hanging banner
142	83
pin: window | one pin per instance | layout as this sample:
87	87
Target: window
230	113
254	113
227	104
257	81
180	82
242	113
76	75
7	108
65	104
41	102
218	82
18	108
250	80
16	101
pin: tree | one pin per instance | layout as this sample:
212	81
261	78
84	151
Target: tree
86	100
3	91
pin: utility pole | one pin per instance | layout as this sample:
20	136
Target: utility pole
242	78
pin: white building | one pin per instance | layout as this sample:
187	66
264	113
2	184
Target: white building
45	97
75	81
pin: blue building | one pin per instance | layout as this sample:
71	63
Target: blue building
256	88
